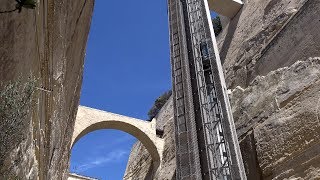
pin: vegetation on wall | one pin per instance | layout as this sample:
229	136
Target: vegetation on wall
28	4
15	103
158	104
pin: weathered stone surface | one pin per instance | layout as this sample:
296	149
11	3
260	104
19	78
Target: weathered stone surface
267	35
168	164
282	110
47	43
140	162
290	34
269	94
164	114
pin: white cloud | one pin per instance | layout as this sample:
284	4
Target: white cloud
111	157
119	140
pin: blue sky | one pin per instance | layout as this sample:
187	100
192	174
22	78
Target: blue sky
127	67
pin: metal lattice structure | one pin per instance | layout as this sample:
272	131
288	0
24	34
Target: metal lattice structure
206	140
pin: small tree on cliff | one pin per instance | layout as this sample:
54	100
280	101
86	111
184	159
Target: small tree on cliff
216	22
29	4
158	104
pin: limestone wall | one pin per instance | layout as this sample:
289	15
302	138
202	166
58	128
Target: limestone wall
267	35
139	165
164	114
261	45
140	162
48	45
277	115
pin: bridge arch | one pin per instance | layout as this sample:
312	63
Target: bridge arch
89	120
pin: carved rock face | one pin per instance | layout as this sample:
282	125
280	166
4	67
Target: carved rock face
281	111
48	44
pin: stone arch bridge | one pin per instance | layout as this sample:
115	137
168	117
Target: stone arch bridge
89	119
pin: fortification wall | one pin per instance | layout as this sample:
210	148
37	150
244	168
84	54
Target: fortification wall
45	48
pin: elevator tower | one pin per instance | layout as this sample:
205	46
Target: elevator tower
206	141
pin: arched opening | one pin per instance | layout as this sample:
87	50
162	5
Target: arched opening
95	155
125	127
127	61
89	120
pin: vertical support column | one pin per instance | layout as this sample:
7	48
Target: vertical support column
206	141
228	125
187	153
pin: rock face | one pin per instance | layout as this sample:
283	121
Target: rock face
140	163
280	111
270	52
267	35
45	46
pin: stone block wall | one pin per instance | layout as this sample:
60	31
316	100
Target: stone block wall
46	45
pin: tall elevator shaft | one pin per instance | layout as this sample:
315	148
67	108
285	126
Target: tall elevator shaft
206	141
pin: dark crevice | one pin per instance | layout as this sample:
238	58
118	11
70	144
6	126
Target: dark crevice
250	157
9	11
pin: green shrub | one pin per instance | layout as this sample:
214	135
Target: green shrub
15	103
216	25
158	104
